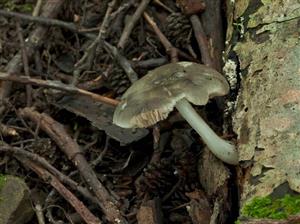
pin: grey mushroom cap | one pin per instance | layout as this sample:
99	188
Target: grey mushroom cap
153	97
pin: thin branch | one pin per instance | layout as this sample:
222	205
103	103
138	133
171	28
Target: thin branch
150	63
43	162
59	86
131	23
89	52
123	62
214	29
167	44
50	9
58	133
37	8
39	213
158	2
40	20
202	41
25	64
80	208
170	49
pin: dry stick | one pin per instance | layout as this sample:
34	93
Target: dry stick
57	132
43	162
202	41
25	64
158	2
39	213
123	62
170	49
50	9
43	20
214	29
150	63
207	52
37	8
167	44
90	51
86	60
47	21
59	86
131	23
80	208
93	84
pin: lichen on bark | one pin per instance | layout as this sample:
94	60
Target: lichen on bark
267	114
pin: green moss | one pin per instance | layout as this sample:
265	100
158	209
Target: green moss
266	207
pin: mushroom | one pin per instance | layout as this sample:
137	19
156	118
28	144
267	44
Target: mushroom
153	97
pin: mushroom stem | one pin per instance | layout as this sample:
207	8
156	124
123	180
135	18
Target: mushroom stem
218	146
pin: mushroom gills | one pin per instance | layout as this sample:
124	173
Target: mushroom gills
221	148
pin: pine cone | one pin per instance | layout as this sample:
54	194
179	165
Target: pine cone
158	179
118	80
178	30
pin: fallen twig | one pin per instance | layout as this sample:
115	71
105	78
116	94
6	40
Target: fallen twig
202	41
50	9
37	8
150	63
90	51
124	63
25	64
214	30
158	2
39	213
43	20
131	23
170	49
192	8
167	44
57	85
57	132
43	162
80	208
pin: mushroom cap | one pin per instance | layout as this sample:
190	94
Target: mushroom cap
153	97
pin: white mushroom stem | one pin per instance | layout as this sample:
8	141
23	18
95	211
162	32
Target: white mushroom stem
218	146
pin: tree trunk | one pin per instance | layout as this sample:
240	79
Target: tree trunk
265	38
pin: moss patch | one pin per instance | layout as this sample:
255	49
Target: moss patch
266	207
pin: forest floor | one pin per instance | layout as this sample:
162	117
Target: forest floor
61	80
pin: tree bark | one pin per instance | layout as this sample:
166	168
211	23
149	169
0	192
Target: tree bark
267	111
